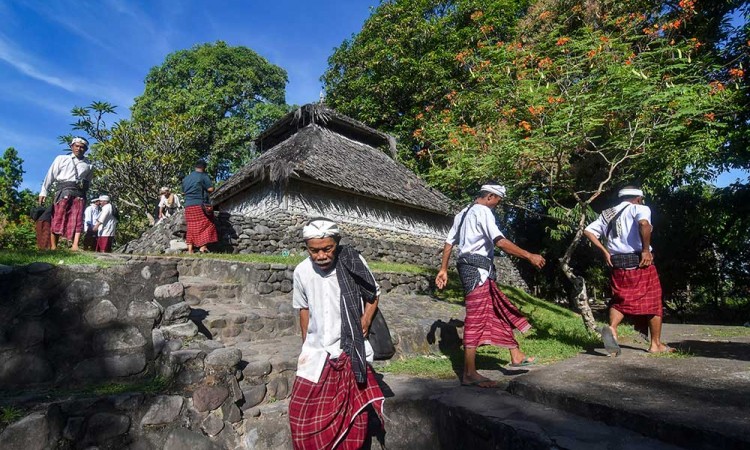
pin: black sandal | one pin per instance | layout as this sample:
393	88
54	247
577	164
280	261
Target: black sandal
610	343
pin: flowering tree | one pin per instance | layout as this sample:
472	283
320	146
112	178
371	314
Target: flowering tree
589	95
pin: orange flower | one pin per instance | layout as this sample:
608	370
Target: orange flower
486	29
716	87
553	100
736	73
544	63
592	53
454	141
562	41
525	125
604	39
536	110
419	116
476	15
710	117
545	15
417	133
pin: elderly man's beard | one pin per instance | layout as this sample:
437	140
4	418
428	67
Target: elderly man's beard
324	263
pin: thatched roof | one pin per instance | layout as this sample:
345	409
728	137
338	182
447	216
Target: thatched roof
318	145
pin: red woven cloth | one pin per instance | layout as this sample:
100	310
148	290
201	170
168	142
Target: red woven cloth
104	244
42	228
329	414
67	217
200	229
491	318
636	291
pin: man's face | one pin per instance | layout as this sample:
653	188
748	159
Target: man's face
322	251
494	200
78	149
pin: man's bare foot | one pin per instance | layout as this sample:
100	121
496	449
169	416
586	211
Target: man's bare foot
74	249
662	348
478	381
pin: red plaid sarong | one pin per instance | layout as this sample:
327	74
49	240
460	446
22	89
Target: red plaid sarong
329	414
491	318
42	228
104	244
200	229
67	217
636	291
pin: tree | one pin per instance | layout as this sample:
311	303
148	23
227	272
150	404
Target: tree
589	95
403	59
228	94
11	177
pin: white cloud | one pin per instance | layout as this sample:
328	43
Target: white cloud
25	64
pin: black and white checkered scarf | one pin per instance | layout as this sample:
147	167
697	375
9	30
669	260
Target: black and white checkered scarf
356	283
468	270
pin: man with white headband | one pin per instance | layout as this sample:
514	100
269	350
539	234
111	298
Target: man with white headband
105	225
490	316
72	176
337	298
636	291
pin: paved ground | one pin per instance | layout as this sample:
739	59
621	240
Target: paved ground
698	399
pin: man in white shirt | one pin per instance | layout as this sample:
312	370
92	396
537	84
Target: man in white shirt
89	219
105	225
72	175
490	316
337	297
169	203
636	290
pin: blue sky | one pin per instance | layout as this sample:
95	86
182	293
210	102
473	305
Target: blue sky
56	54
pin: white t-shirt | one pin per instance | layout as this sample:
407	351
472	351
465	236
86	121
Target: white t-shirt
629	239
478	234
89	217
319	292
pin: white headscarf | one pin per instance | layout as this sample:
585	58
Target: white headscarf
320	228
79	140
494	189
629	192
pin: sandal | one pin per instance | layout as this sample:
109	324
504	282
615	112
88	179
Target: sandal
524	362
610	343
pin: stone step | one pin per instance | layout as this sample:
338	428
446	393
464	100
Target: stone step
202	290
268	369
232	323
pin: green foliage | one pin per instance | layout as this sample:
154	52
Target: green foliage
404	58
59	257
18	234
9	414
11	176
228	95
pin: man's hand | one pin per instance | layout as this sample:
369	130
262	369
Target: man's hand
608	258
41	200
646	258
441	279
537	261
96	227
366	325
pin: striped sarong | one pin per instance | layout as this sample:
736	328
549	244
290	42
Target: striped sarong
104	244
200	229
331	413
636	291
491	318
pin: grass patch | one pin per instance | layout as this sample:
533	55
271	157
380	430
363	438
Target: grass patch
677	354
9	414
57	257
726	332
153	386
556	334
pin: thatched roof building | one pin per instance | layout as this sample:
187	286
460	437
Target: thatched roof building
316	162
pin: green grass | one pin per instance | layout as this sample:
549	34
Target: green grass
9	414
153	386
556	334
677	354
57	257
726	332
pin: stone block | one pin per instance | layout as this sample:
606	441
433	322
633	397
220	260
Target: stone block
146	273
146	310
176	313
128	402
265	288
73	428
257	369
101	313
163	410
28	333
224	357
80	290
182	330
178	245
102	427
253	395
39	267
159	342
124	338
278	388
110	366
169	291
182	438
208	398
29	433
231	412
212	424
209	346
27	368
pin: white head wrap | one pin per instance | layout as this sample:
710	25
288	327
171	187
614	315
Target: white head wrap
79	140
104	198
320	228
629	192
494	189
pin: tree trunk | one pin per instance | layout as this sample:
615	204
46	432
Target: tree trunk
579	283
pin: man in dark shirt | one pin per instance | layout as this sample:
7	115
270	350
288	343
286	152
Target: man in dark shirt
201	230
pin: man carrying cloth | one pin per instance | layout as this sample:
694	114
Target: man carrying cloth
337	297
73	174
201	230
635	283
490	316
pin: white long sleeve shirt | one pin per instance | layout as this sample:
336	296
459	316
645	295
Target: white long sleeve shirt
477	234
64	168
107	220
319	292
